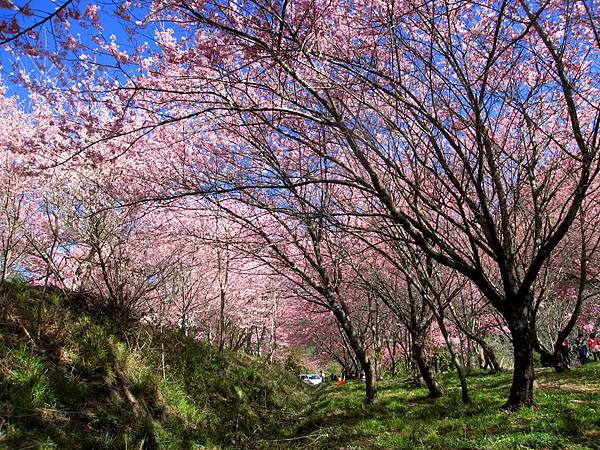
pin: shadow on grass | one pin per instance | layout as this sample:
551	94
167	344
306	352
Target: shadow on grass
565	415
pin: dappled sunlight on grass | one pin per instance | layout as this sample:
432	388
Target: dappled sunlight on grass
564	417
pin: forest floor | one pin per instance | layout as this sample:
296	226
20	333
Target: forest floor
566	415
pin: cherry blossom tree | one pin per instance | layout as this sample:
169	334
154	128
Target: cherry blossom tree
472	127
458	116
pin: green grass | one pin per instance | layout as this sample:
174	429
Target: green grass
86	383
566	415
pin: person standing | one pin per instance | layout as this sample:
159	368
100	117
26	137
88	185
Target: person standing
594	346
582	348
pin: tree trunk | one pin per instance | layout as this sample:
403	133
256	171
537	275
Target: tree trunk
360	351
468	365
370	382
459	368
368	367
560	363
5	258
222	322
273	335
523	336
490	355
419	356
553	358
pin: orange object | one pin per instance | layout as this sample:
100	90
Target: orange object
339	383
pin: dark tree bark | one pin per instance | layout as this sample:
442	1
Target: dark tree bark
523	335
362	355
552	358
370	382
464	389
419	356
490	355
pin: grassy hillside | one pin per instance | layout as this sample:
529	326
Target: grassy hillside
82	382
567	415
85	382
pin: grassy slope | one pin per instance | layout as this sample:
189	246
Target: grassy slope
83	384
567	415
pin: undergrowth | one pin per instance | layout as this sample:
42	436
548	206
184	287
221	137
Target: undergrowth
75	380
71	379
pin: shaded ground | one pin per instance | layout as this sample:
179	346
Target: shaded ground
84	383
77	381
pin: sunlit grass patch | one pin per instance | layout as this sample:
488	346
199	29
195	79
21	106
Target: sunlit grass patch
565	415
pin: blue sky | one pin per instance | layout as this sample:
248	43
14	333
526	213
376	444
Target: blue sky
111	23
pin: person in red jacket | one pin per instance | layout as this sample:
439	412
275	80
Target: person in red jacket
566	352
594	346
